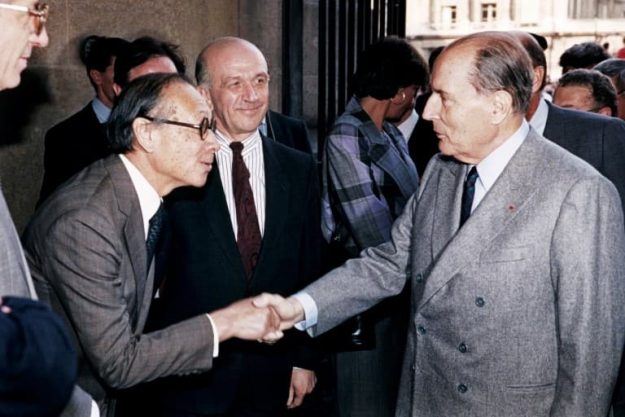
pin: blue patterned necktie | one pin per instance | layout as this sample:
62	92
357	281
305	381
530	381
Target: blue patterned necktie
248	230
467	195
154	232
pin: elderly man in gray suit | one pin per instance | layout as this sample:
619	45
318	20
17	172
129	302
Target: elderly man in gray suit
90	246
519	310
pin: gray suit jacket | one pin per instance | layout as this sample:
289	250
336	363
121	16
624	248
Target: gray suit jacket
86	250
518	313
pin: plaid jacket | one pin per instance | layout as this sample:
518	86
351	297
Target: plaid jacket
368	177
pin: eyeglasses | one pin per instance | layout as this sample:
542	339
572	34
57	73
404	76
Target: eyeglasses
203	127
39	12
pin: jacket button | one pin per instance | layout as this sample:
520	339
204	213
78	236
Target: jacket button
421	330
479	301
419	278
462	388
462	348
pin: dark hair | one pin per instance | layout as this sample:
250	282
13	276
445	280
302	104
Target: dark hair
610	67
97	52
583	55
500	64
534	50
386	66
139	51
600	86
138	98
541	40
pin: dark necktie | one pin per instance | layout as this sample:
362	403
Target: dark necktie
467	195
154	232
248	235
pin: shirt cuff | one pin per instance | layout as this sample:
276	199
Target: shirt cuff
95	411
310	312
215	337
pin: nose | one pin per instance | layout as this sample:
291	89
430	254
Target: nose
211	142
432	107
41	40
249	92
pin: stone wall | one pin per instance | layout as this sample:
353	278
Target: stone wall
56	86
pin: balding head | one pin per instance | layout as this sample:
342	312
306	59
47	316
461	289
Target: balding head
233	74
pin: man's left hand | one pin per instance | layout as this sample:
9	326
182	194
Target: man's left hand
302	383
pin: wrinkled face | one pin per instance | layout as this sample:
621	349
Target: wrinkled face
460	114
575	97
239	89
181	156
157	64
17	40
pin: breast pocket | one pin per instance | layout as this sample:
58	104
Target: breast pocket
505	254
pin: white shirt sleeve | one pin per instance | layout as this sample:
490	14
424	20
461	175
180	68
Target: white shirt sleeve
215	337
95	411
310	312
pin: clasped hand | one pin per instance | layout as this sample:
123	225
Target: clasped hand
262	318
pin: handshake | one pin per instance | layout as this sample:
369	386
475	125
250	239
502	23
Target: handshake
262	318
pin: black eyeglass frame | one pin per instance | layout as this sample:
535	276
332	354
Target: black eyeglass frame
39	12
203	127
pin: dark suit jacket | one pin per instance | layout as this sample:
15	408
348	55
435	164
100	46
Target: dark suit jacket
288	131
86	250
598	140
206	273
69	147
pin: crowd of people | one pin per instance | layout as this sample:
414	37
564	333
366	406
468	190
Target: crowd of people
460	251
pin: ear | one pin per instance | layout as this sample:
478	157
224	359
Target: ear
501	106
539	76
606	111
399	97
142	132
96	76
117	89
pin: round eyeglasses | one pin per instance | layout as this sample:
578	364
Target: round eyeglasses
203	127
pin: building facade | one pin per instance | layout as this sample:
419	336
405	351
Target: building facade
432	23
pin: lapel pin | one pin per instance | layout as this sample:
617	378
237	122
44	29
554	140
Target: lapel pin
511	208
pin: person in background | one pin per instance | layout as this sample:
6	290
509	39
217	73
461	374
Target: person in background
146	55
91	245
32	343
253	227
368	176
582	55
80	139
586	90
615	69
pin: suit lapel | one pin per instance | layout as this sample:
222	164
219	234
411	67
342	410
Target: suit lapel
507	197
276	200
217	217
446	209
134	235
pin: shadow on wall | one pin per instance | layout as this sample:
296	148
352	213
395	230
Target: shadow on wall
19	104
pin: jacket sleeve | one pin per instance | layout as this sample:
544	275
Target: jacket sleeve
84	257
587	271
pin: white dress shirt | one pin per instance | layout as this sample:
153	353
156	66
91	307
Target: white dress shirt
255	162
407	126
539	119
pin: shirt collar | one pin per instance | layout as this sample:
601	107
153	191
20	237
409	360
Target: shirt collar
101	111
248	144
407	126
539	119
492	166
149	200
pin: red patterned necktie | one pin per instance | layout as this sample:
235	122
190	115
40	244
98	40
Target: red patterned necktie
248	235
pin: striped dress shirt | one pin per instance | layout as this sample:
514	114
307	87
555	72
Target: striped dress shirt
255	162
